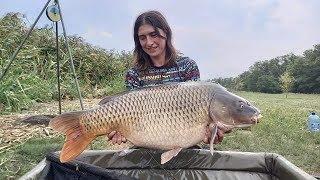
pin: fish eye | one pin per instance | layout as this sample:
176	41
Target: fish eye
241	104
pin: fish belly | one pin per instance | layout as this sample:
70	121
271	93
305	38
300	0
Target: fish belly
168	137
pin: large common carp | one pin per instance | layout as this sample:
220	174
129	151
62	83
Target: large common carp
168	117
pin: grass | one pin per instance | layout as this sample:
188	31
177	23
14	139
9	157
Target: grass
282	131
23	157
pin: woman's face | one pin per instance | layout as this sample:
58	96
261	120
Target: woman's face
153	44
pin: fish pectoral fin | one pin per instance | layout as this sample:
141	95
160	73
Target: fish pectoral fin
125	152
213	136
168	155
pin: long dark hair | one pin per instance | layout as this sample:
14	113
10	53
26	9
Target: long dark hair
142	60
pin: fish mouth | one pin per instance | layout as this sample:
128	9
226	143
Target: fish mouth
256	118
253	121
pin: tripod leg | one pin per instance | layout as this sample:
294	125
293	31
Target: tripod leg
71	61
58	66
22	43
70	55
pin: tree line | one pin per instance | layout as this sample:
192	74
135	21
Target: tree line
287	73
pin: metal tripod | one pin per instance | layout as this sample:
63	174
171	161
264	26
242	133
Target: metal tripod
57	52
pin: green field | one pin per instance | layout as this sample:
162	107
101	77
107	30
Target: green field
282	130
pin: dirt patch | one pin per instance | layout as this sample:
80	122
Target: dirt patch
14	131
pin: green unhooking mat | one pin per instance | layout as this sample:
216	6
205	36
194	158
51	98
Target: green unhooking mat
188	164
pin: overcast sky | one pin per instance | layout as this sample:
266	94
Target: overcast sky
223	37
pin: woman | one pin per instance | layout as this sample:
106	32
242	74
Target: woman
156	61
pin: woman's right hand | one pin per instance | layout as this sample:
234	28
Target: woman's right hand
116	137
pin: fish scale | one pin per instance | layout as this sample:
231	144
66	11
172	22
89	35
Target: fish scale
162	117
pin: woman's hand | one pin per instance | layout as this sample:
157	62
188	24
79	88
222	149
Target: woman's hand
116	137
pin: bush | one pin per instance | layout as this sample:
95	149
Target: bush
32	75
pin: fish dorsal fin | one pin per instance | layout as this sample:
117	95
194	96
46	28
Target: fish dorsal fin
172	85
168	155
112	97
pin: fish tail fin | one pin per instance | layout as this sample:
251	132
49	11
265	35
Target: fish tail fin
76	138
